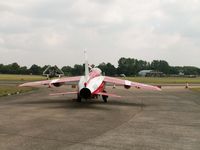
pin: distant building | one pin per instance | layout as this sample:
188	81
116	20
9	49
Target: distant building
143	73
181	74
150	73
122	75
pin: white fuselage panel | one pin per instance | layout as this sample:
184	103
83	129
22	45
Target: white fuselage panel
91	83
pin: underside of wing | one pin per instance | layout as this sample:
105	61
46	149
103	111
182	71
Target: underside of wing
55	82
127	83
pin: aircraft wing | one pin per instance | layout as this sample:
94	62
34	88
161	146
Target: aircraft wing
122	82
50	82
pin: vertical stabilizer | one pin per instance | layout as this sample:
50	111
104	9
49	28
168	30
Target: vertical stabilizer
86	64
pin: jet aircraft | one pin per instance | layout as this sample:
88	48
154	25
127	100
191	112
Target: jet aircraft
91	84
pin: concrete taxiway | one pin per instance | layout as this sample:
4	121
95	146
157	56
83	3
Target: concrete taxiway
139	120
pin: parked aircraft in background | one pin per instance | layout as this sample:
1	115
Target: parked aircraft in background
91	84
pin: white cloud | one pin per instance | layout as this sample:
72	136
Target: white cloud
56	32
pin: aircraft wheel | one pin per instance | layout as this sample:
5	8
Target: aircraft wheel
105	99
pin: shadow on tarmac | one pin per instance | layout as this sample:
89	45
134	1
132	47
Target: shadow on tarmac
72	104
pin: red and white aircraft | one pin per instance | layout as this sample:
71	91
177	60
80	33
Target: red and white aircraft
91	84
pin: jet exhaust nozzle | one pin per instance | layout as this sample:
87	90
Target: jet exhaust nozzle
85	93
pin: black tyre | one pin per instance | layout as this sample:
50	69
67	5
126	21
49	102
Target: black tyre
105	98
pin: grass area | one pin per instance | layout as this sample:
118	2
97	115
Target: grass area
10	90
157	80
8	77
13	89
165	80
195	89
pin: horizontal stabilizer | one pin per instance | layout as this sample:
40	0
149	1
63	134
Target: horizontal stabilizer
107	94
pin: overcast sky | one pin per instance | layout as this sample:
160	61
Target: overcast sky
57	31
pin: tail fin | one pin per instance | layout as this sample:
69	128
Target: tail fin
86	64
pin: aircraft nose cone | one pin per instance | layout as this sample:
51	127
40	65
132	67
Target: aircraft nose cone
85	93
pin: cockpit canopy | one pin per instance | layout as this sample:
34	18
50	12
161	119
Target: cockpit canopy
94	72
97	70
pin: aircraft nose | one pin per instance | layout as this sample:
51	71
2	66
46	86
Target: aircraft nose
85	93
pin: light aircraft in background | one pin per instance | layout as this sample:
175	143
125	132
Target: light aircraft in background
91	85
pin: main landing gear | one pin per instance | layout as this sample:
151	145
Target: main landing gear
105	97
78	98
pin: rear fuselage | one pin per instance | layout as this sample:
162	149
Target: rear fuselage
91	84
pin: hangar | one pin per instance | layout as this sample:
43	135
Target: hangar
150	73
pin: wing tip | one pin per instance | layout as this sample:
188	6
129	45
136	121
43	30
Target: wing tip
21	85
158	88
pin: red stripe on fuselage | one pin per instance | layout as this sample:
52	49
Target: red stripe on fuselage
99	89
92	75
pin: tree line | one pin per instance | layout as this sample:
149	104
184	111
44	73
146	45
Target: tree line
127	66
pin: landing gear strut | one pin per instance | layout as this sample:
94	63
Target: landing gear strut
104	97
78	98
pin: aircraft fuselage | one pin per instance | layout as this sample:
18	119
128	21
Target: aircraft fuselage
91	84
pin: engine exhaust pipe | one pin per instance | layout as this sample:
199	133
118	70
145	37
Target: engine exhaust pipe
85	93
